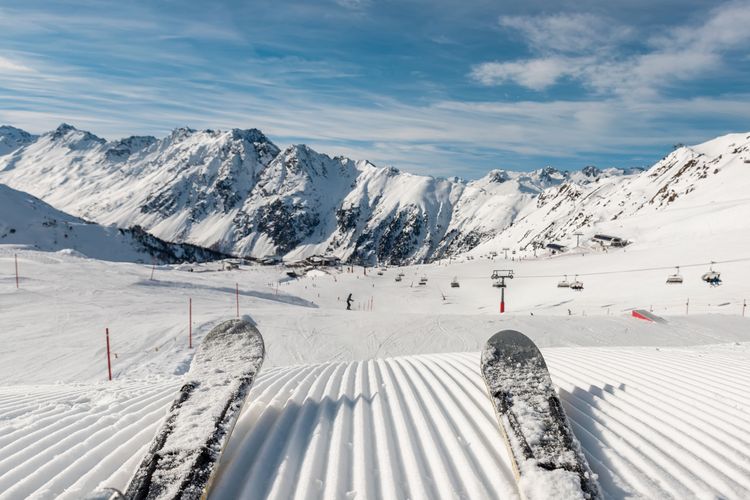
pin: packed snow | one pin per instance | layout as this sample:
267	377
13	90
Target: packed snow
659	408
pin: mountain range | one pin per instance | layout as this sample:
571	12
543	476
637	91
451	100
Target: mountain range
236	192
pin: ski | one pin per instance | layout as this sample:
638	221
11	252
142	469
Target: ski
181	461
547	459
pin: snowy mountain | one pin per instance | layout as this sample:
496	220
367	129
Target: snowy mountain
693	191
12	138
31	222
238	193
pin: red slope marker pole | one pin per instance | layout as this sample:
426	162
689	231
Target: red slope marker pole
16	256
502	300
109	361
190	323
238	300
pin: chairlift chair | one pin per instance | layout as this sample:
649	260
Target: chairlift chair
398	278
712	277
423	280
564	283
577	285
454	283
675	279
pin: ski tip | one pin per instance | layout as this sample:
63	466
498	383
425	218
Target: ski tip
235	327
238	333
510	345
509	337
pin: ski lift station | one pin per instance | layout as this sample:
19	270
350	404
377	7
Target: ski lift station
556	248
607	240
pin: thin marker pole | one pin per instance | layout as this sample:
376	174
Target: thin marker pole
153	267
238	300
109	361
16	256
190	323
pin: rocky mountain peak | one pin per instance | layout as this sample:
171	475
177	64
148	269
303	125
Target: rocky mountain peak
12	138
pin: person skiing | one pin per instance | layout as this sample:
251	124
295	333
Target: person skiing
349	301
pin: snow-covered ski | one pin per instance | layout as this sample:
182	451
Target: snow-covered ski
547	459
182	458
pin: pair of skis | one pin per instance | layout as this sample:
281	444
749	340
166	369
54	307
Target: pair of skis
181	461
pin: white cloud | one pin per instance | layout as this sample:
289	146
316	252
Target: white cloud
567	33
10	66
536	74
587	48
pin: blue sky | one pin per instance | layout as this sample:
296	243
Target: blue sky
435	87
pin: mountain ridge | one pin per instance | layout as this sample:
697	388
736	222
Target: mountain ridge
236	192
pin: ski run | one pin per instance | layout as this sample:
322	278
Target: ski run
384	401
649	421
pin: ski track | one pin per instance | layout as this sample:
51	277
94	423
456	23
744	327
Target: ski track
654	423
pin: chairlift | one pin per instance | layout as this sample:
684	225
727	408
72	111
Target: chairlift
398	278
712	277
423	280
499	276
454	283
675	279
577	285
564	283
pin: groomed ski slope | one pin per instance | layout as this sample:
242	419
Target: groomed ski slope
384	401
654	423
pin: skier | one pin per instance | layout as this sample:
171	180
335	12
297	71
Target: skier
349	301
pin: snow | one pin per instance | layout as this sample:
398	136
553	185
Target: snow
28	221
660	409
384	401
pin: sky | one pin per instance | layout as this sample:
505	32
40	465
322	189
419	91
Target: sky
432	87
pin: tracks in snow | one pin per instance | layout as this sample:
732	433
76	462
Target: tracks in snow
654	423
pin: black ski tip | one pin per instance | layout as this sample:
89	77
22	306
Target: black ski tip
510	337
511	346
